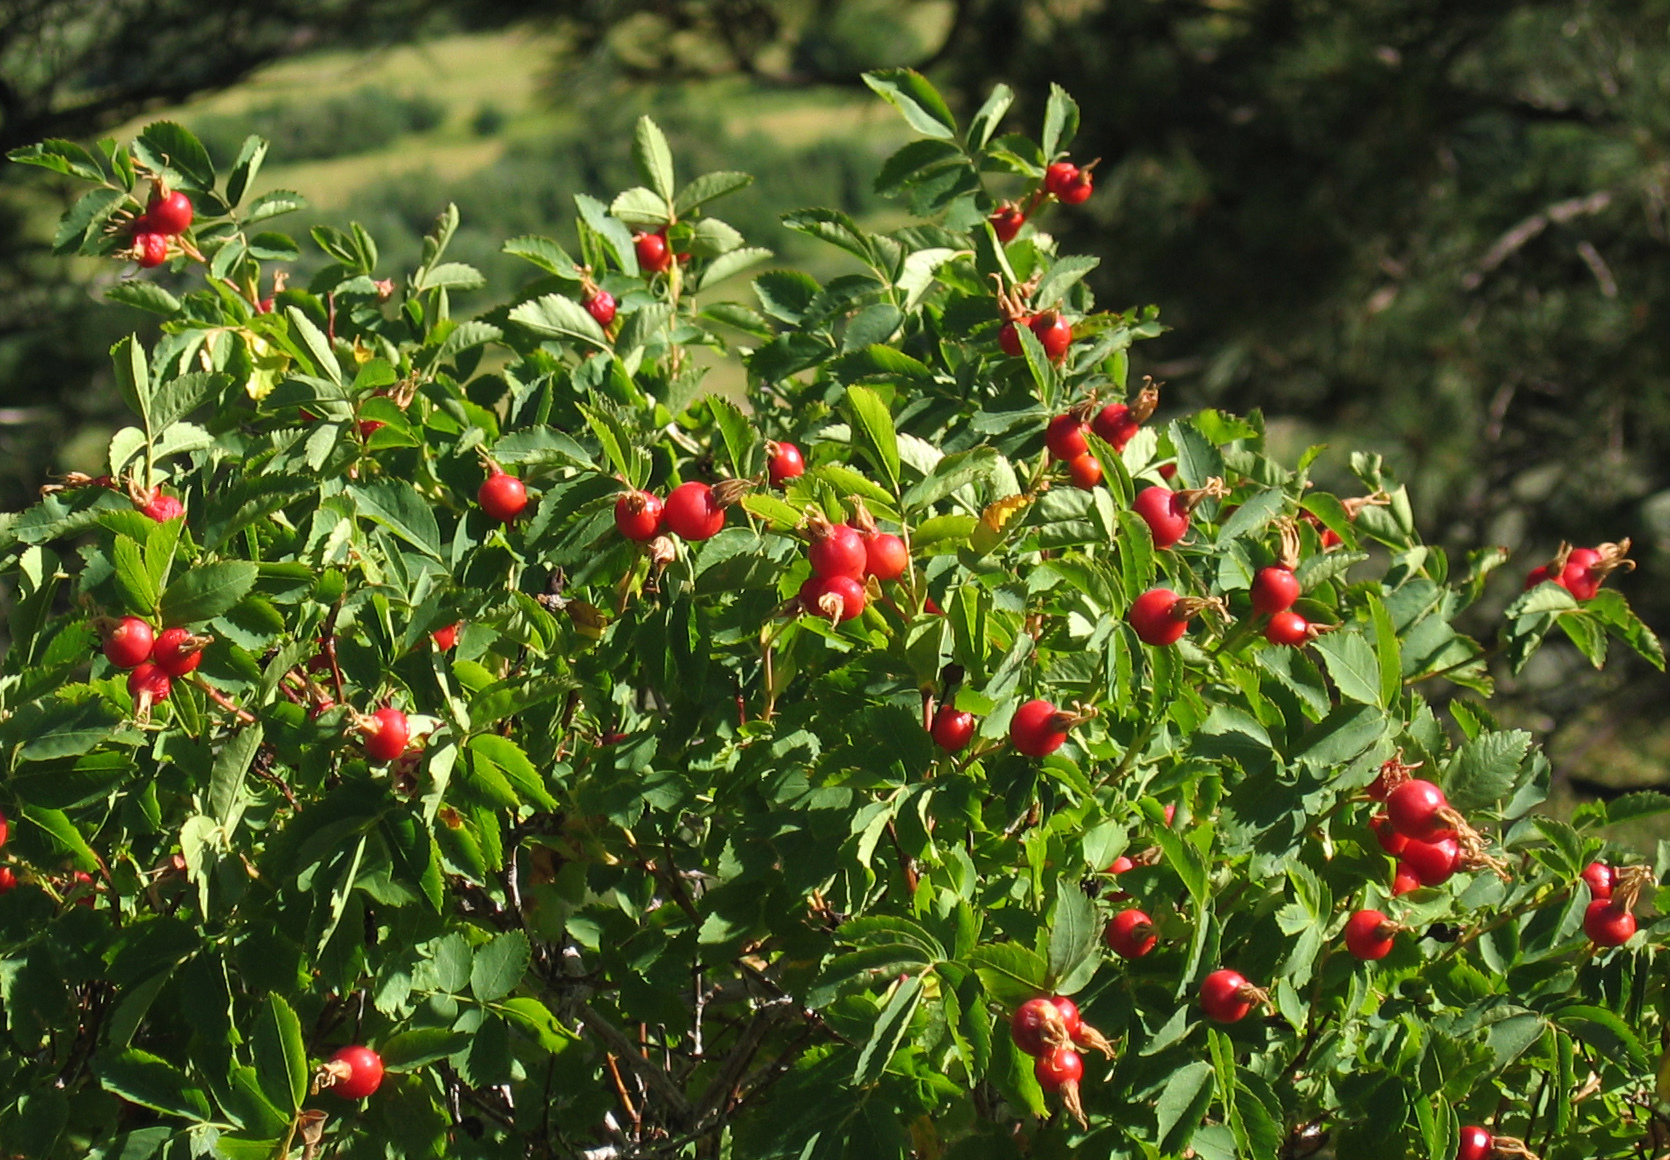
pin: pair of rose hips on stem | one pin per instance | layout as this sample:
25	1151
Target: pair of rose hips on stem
154	659
1063	180
168	214
1115	424
1582	571
1050	1029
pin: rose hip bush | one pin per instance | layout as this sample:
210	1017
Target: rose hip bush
469	737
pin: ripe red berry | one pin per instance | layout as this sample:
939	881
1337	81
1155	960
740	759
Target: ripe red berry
1065	437
846	591
1009	340
385	738
1153	617
5	829
1414	808
1028	1023
1580	577
654	256
362	1073
1607	924
885	556
838	551
1391	841
1288	629
1223	996
8	880
1007	221
149	684
692	513
169	213
601	306
502	496
785	464
1038	729
1085	471
638	515
1368	935
1059	177
129	643
1120	865
369	427
1059	1069
1115	424
1078	191
1432	863
1130	934
177	652
1540	574
1599	877
1404	880
1476	1144
1054	332
1274	590
952	729
163	508
446	638
150	250
1165	512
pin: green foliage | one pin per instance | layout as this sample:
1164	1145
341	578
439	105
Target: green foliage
672	866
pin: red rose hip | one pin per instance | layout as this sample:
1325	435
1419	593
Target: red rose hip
386	734
1065	437
1038	728
837	550
1599	877
785	463
1085	471
502	496
1227	997
952	729
1166	513
1274	590
638	516
1057	1070
169	213
358	1072
885	556
1369	935
177	652
129	643
654	256
1476	1144
1416	808
1287	629
692	513
1608	924
1130	934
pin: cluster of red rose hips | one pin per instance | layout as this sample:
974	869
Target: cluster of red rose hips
1063	181
1115	424
1051	1030
693	511
156	659
167	215
845	558
1582	571
1054	333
